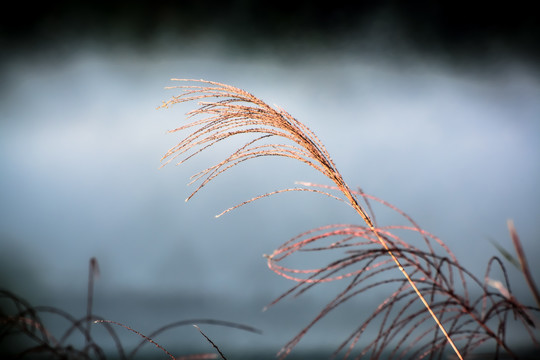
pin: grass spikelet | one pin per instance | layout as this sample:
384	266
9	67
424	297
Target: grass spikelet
237	112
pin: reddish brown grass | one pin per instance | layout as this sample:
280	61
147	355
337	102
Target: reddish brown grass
367	251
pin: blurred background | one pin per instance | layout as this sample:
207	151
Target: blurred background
434	108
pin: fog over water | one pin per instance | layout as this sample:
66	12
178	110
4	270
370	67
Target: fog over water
455	147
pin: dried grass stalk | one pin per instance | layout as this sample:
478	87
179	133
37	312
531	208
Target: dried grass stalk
228	111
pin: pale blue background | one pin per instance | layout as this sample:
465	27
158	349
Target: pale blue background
457	148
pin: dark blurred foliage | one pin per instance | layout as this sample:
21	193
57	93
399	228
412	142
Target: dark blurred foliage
442	28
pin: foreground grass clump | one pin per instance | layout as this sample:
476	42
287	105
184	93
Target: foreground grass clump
435	305
24	335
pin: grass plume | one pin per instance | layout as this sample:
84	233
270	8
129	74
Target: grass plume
227	111
436	278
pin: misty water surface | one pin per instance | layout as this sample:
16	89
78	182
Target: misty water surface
456	148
